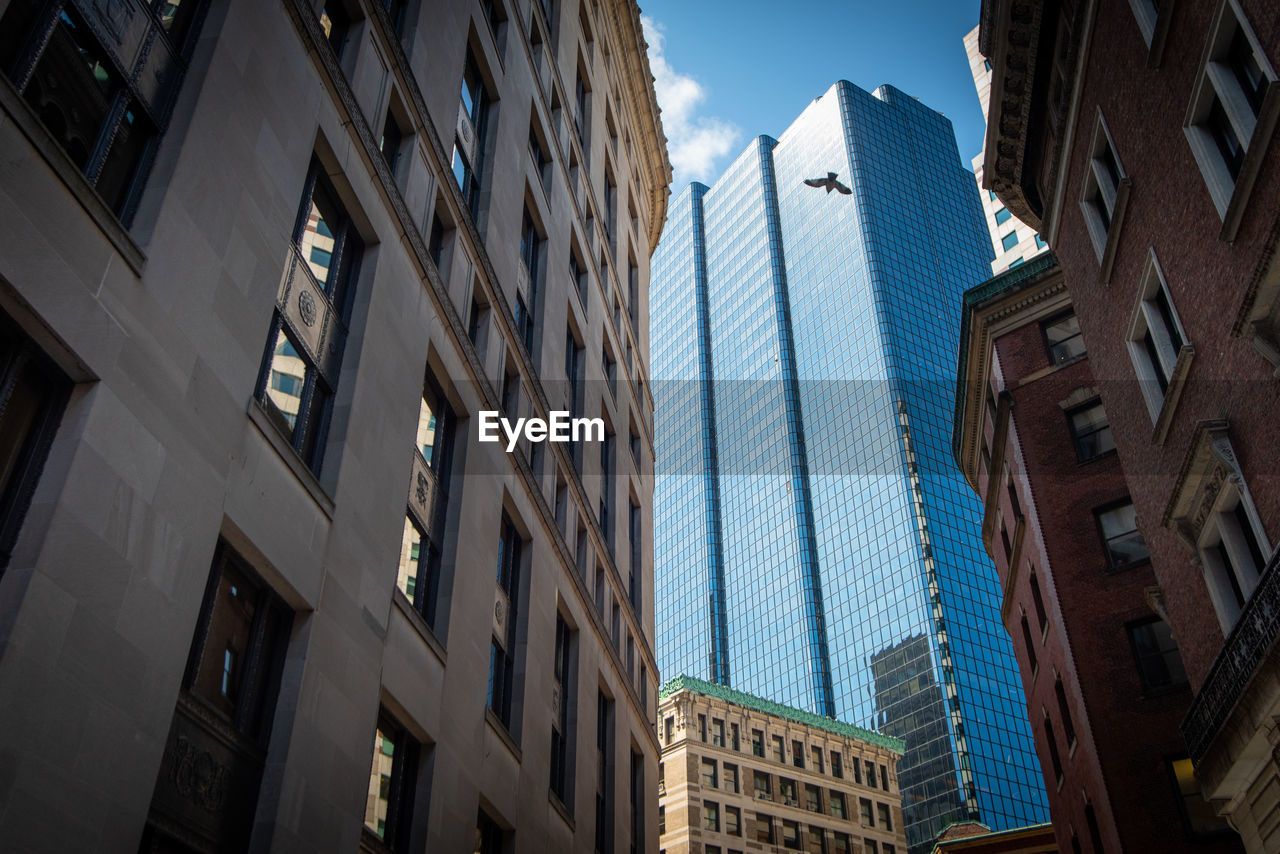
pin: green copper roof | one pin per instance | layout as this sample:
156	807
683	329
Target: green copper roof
750	701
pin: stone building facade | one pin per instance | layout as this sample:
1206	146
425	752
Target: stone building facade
742	773
1105	684
262	587
1138	138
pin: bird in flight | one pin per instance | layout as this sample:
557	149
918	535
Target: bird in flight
830	182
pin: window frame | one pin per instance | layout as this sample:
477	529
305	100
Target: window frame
401	784
1103	197
1049	344
1217	83
1160	379
1098	513
1149	688
1078	435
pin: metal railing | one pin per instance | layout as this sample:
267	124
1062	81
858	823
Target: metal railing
1244	650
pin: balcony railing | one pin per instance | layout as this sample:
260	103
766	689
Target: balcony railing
1244	650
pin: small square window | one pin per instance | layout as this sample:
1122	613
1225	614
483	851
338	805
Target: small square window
1090	431
1062	338
1009	241
1003	216
1125	546
1156	653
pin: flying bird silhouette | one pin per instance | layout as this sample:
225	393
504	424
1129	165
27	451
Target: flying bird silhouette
830	183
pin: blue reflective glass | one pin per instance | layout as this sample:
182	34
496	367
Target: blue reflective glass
814	542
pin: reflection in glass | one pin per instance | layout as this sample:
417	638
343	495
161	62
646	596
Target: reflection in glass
288	377
426	432
317	241
410	560
1125	546
379	800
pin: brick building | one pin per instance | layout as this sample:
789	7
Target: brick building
1105	686
261	585
742	773
1137	138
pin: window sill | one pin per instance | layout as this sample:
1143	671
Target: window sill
290	457
499	729
1164	419
1105	455
33	129
419	624
561	810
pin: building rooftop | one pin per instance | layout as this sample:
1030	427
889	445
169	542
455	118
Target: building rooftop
749	701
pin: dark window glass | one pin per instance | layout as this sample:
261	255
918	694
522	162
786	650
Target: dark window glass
1224	137
1090	431
1064	711
1124	544
561	737
1055	758
489	837
604	783
1062	338
502	651
1197	813
106	114
757	743
1247	70
1156	652
335	21
1009	241
1003	216
468	149
392	139
296	385
33	394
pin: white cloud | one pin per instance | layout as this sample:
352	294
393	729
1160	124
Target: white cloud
694	142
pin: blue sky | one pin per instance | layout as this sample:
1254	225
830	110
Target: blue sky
729	71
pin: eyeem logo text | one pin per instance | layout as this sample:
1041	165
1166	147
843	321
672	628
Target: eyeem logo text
559	428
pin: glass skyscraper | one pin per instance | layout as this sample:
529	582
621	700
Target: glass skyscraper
814	543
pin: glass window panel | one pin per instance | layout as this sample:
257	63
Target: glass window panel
288	376
411	555
379	801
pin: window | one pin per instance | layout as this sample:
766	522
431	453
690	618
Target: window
538	154
1104	196
388	808
884	816
857	772
336	23
790	834
228	696
1153	26
1062	338
107	115
1156	654
764	828
1029	644
837	804
702	728
709	778
864	809
1157	342
579	277
762	786
502	651
797	753
1064	712
574	368
392	141
812	798
733	821
1232	114
884	778
1197	812
817	759
582	104
787	790
300	369
1054	758
531	245
1090	432
710	816
731	778
1233	554
418	576
490	838
842	843
1037	601
871	773
561	732
468	144
717	732
669	726
1040	244
836	770
1003	216
33	394
869	846
757	743
779	749
1119	527
604	785
1009	241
